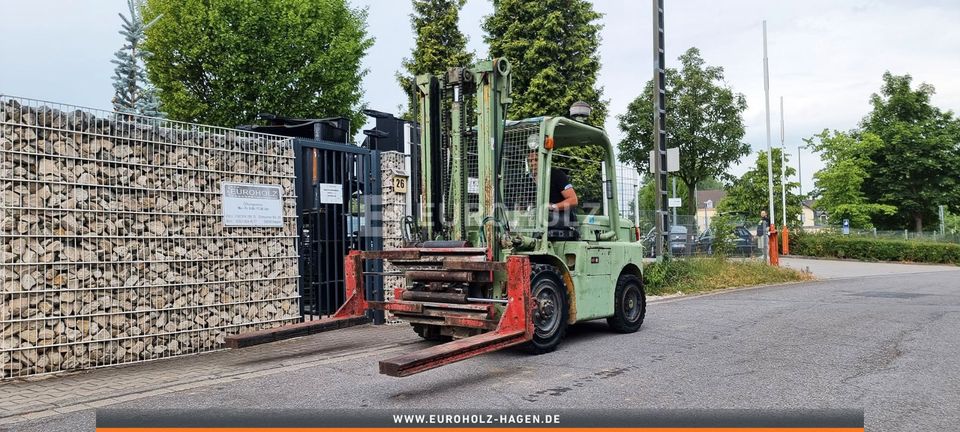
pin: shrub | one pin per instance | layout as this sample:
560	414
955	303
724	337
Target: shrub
723	236
871	249
706	274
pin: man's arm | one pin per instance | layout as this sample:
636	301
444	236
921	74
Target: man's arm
570	200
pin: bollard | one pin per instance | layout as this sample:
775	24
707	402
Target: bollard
774	255
786	240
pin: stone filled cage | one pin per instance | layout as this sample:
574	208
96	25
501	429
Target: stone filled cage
113	245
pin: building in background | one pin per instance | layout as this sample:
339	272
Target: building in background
707	202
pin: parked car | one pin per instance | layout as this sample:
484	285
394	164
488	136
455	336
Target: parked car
743	242
679	244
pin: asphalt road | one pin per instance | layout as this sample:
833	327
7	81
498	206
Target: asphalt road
835	269
889	345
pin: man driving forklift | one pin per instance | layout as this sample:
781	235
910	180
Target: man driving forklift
563	198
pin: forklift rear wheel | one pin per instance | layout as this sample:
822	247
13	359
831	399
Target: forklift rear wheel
551	308
630	305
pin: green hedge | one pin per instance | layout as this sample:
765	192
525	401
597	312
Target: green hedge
870	249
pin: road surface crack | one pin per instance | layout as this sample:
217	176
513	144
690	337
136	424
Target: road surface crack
890	350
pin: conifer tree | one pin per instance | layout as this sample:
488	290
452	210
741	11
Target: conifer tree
552	48
132	92
440	43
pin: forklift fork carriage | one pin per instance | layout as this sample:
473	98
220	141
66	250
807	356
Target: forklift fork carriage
514	326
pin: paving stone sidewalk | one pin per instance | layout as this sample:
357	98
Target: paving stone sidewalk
44	396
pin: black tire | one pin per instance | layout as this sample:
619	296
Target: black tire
430	333
630	305
551	308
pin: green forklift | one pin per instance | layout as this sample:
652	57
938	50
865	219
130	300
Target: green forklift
492	263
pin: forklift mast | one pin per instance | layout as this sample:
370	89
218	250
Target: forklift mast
459	112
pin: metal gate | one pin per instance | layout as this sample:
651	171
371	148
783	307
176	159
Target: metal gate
338	204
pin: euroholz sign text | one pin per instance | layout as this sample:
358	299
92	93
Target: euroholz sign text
252	205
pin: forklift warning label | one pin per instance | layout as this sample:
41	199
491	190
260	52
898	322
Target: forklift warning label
252	205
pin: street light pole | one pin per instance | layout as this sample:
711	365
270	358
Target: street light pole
800	184
766	99
674	178
636	209
783	168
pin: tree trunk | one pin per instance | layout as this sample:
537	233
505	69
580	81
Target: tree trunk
918	222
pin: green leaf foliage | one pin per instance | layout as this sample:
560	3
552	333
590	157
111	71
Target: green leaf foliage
704	119
748	195
552	48
839	183
952	224
869	249
439	43
918	167
222	62
723	226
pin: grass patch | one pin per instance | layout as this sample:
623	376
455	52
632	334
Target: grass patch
707	274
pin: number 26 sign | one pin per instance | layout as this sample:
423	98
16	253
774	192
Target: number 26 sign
400	184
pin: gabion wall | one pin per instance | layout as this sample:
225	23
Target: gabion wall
113	246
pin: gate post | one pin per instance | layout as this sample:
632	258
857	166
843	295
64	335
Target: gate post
375	220
774	249
786	240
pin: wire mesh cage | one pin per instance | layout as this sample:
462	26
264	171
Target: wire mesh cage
114	249
473	173
518	173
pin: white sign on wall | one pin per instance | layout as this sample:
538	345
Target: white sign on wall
331	193
251	205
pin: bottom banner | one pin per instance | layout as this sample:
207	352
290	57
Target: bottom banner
622	420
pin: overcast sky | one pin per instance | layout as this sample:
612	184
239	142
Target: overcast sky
826	57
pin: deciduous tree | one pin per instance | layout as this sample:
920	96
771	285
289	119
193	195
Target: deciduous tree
223	62
839	184
748	195
918	167
704	119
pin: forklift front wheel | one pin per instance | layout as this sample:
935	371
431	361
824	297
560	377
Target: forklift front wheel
630	305
551	308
